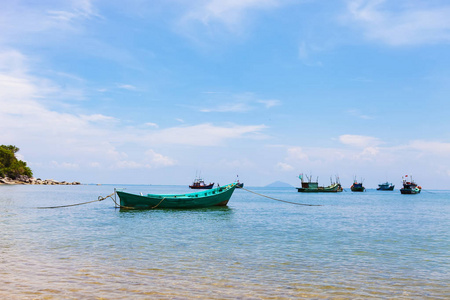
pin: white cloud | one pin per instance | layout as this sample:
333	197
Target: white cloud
128	164
401	22
433	148
94	164
295	156
98	118
150	124
306	51
18	18
127	87
369	152
204	134
151	160
64	165
296	153
229	12
77	9
157	159
234	164
243	102
270	103
357	113
231	107
359	141
284	167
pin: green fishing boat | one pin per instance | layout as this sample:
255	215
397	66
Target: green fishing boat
309	186
214	197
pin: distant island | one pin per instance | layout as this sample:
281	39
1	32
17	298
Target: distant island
15	171
279	184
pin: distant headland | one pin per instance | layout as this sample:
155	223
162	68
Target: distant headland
15	171
278	184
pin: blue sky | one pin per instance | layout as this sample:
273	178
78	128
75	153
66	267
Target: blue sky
154	92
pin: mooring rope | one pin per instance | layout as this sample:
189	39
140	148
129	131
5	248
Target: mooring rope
428	191
99	199
118	205
279	199
158	203
128	207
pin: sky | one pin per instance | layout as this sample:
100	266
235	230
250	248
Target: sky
162	91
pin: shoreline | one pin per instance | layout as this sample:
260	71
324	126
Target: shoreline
34	181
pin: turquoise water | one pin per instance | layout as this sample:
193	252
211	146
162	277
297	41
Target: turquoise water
372	245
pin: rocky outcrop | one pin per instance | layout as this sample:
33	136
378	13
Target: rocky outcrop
32	180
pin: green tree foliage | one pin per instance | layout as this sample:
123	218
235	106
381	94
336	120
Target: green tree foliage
10	166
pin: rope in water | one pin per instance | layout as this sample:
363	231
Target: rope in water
99	199
118	205
428	191
279	199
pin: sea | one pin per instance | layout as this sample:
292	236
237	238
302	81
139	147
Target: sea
370	245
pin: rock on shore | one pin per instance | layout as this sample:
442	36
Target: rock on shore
32	180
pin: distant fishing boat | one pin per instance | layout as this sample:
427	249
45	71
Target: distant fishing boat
387	186
309	186
215	197
409	186
357	186
239	184
200	184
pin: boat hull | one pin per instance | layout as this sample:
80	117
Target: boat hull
357	187
202	187
386	186
214	197
410	187
389	188
410	191
335	188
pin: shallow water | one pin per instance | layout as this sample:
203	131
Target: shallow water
356	245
